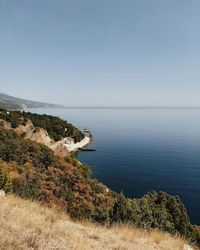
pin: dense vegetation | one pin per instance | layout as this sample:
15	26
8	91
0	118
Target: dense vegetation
31	170
56	127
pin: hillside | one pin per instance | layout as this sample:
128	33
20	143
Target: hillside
33	170
56	128
14	103
28	225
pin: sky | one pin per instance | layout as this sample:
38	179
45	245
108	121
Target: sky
101	52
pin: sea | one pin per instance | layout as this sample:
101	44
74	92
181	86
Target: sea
142	149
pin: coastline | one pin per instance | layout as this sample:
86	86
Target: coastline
73	147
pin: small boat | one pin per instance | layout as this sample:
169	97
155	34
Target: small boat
86	130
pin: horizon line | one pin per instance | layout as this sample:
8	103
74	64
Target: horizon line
64	106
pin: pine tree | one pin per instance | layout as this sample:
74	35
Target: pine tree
120	213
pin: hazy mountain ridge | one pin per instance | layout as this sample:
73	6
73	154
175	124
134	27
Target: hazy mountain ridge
15	103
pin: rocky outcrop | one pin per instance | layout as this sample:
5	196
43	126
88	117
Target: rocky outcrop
2	194
38	135
187	247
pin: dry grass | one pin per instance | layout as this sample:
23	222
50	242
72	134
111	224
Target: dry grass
28	225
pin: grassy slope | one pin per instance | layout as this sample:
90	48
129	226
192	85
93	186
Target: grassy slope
28	225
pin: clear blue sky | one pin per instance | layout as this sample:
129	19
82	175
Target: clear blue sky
101	52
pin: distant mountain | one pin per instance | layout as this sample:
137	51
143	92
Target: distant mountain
14	103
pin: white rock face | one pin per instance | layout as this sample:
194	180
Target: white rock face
2	194
71	146
187	247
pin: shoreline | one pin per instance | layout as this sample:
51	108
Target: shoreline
73	147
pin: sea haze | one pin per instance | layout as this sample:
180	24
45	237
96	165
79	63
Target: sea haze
143	149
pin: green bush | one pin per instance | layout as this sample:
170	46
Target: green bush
5	182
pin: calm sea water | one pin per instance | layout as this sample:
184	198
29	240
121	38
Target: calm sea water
143	149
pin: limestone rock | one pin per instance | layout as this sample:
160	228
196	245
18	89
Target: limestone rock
2	194
187	247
